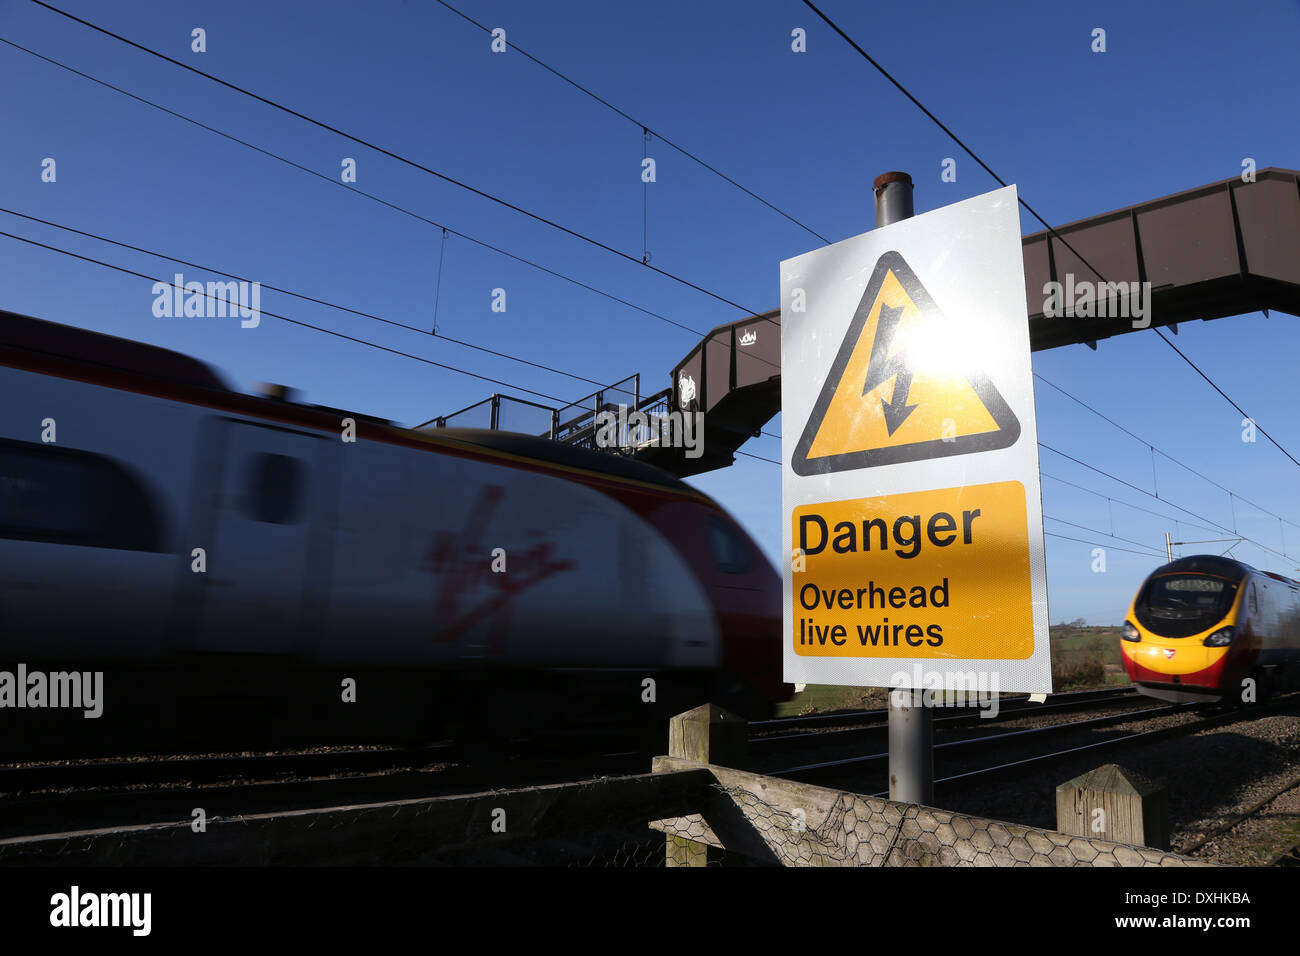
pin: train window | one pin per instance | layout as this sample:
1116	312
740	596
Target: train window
1179	605
731	551
64	496
273	488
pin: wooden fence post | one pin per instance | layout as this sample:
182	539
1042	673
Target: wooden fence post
706	735
1114	803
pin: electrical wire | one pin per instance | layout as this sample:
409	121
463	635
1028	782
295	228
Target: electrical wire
1174	504
352	189
298	322
334	181
1164	454
956	139
1098	544
414	164
305	298
636	122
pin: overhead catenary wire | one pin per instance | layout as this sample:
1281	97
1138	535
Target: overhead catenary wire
1259	428
1105	534
645	197
306	298
437	295
292	321
381	201
1157	451
1149	554
1109	500
1048	226
334	181
406	161
645	129
1217	526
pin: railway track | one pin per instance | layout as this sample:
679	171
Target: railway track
962	749
131	772
762	730
991	741
44	798
1290	857
863	743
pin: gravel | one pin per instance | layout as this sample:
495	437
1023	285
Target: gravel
1212	778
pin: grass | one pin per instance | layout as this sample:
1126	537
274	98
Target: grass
824	698
1082	658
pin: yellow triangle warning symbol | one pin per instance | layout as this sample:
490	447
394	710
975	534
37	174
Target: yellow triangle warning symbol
902	387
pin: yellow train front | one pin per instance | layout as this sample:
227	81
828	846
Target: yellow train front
1207	628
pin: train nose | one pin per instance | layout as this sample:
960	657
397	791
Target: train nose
750	621
744	592
1183	661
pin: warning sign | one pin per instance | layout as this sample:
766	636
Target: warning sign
917	575
901	388
913	516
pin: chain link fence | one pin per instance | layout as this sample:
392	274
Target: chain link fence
855	830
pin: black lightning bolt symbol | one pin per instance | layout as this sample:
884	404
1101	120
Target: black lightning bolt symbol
881	370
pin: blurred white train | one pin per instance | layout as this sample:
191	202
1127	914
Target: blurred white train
237	562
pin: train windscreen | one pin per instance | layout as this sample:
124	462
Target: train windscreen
1179	605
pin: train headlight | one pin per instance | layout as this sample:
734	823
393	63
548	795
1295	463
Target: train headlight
1221	638
1130	633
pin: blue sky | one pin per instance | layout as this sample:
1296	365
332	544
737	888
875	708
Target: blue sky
1184	92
